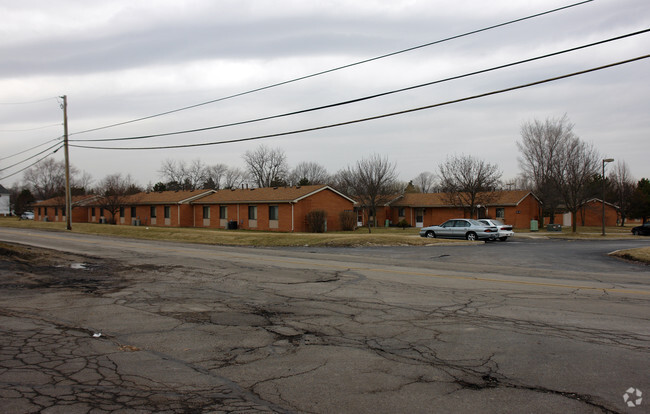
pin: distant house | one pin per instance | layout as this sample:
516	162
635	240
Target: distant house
591	213
517	208
5	204
273	208
53	209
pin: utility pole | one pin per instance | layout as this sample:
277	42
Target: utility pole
605	161
68	196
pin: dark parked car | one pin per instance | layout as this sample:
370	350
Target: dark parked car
643	230
461	229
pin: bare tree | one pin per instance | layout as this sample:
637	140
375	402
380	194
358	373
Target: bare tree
113	191
309	173
195	174
172	171
623	188
540	147
425	182
215	176
339	181
469	181
234	177
266	167
81	183
47	179
180	175
574	170
372	182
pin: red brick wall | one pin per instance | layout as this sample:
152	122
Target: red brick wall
326	200
519	216
187	215
79	214
143	213
432	215
592	215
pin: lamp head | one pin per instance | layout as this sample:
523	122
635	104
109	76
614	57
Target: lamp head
608	160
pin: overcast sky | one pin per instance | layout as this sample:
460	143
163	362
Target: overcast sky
120	60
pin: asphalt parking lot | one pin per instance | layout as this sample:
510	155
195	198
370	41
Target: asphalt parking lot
523	255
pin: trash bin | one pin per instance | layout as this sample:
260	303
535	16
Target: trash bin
553	227
534	225
232	225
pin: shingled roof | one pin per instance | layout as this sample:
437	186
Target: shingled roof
166	197
499	198
78	200
265	195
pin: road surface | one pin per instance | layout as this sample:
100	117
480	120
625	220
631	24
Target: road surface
113	325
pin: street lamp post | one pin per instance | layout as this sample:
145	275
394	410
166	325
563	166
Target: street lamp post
605	161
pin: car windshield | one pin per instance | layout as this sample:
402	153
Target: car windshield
497	222
476	223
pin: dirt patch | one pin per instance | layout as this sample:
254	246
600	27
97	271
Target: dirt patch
24	267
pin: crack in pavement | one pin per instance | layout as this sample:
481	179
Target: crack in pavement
267	338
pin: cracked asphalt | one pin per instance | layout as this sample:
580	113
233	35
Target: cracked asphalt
96	325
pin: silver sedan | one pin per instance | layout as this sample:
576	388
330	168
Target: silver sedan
461	229
505	230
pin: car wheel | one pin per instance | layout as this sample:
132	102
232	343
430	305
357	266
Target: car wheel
430	234
471	236
635	233
504	238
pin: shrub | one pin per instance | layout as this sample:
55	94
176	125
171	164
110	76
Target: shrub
316	221
403	224
348	220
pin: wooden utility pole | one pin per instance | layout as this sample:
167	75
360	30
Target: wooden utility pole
68	196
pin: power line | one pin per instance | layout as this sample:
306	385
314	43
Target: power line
28	102
27	159
366	97
29	129
32	164
29	149
372	118
336	68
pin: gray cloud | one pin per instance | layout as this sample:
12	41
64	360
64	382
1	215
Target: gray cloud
119	61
